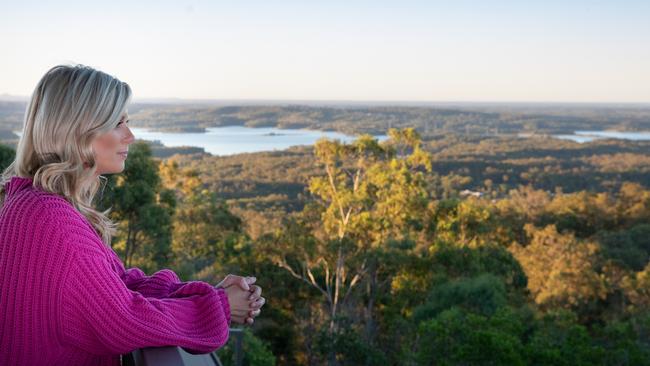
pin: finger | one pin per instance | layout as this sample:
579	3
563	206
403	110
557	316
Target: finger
251	280
240	313
234	280
259	303
226	281
230	280
254	313
256	292
250	321
238	319
239	282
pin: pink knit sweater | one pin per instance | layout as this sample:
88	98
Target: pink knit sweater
66	299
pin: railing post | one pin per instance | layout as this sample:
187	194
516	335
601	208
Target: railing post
176	356
239	348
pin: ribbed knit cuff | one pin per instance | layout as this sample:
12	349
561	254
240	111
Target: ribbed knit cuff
223	298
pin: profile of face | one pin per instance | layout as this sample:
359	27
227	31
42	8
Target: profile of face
111	148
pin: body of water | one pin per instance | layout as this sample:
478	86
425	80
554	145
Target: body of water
588	136
236	139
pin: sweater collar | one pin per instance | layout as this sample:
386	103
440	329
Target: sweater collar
16	184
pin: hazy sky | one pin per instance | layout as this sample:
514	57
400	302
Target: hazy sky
459	50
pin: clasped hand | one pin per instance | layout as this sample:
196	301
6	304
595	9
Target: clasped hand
244	297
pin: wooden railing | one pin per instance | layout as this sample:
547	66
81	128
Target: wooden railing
176	356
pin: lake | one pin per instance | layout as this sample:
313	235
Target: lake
237	139
588	136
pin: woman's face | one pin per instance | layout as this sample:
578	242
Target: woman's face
111	148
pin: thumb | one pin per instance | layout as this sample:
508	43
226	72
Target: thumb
227	281
250	280
243	283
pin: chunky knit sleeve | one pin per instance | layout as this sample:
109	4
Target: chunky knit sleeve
158	285
102	316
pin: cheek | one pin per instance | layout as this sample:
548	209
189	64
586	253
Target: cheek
105	144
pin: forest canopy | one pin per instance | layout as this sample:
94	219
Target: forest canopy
439	248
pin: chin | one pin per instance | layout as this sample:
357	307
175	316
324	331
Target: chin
111	170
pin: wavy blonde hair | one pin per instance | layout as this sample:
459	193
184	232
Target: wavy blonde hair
70	106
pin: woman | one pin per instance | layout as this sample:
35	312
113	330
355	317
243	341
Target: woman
65	296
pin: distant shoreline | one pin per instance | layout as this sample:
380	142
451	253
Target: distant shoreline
362	103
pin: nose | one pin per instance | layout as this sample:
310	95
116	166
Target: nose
129	137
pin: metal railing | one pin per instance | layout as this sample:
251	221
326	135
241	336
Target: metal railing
176	356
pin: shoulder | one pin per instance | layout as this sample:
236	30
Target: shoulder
43	213
29	203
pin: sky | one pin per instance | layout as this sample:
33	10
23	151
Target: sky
436	51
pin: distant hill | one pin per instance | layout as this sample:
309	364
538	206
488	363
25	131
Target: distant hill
13	98
470	119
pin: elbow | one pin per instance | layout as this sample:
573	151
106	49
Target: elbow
222	338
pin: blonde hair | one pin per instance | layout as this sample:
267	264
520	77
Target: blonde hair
70	106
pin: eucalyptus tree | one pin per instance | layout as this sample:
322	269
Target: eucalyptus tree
371	195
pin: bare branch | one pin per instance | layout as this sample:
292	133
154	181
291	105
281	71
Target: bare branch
357	179
357	277
330	176
347	217
315	284
282	263
340	262
348	172
328	279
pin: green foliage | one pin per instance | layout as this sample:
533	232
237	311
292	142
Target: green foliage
369	268
207	236
561	270
559	340
142	209
455	337
483	295
510	336
626	342
467	223
7	155
346	346
465	262
255	350
436	283
628	247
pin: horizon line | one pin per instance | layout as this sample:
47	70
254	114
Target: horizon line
171	100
